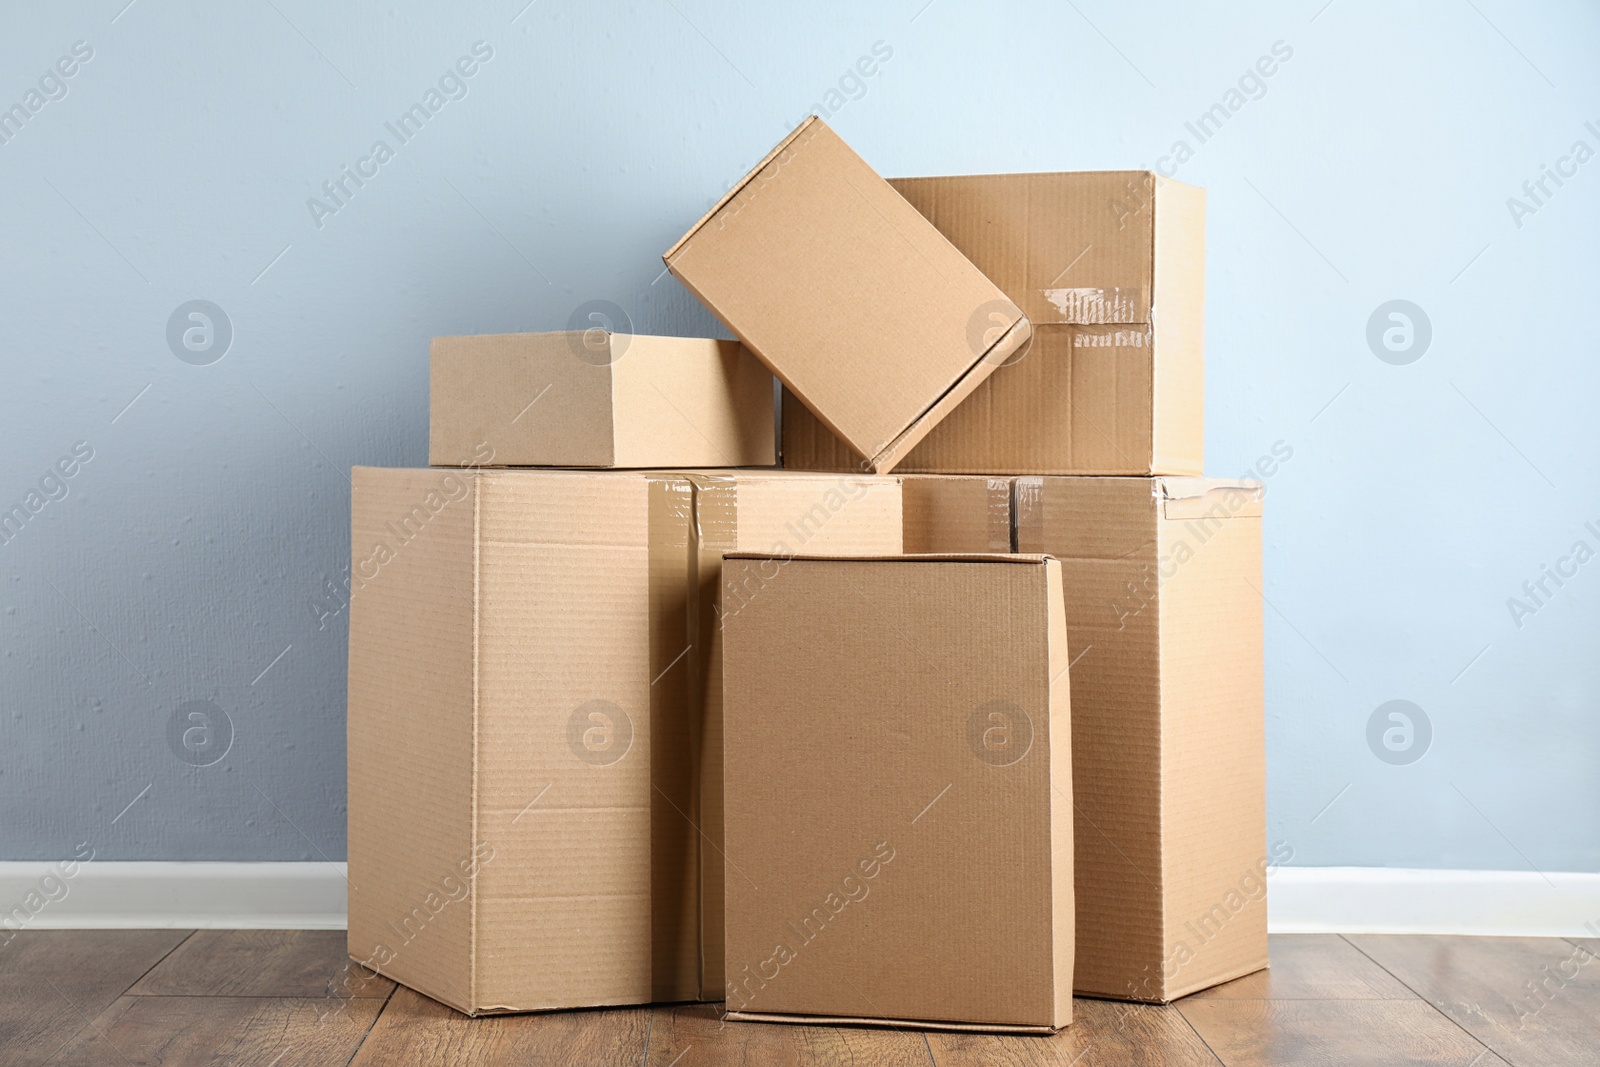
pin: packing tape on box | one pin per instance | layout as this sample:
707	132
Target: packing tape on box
1096	307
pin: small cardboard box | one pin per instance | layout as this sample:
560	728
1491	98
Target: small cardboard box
1163	580
956	513
899	820
784	514
519	751
592	398
848	294
1110	269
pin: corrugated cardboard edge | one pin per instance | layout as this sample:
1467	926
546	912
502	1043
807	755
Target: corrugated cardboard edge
731	193
1177	295
477	651
1005	346
896	1024
904	557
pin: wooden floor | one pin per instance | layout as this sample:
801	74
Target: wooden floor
281	998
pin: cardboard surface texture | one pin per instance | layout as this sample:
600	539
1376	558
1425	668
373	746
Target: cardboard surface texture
1110	268
1163	579
898	762
528	697
504	633
783	514
866	312
956	513
592	398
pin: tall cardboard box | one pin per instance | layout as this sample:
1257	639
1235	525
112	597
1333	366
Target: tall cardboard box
864	310
899	821
783	514
1110	268
1162	579
520	753
593	398
956	513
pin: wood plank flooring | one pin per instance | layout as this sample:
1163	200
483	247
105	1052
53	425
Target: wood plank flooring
282	998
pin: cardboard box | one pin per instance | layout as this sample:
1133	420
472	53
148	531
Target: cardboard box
519	750
956	513
1163	580
534	675
899	825
591	398
783	514
863	309
1110	269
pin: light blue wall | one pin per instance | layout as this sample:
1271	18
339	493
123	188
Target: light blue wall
1375	165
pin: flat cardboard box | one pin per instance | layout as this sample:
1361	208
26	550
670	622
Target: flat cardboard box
956	513
1163	581
850	296
898	762
519	751
592	398
1110	268
784	514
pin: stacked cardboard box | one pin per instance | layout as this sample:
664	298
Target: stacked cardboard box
629	735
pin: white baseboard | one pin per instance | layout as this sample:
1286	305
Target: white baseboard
117	895
1391	900
311	896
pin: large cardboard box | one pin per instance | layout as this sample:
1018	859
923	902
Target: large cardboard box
782	514
1110	269
534	680
519	752
956	513
864	310
1163	595
899	822
592	398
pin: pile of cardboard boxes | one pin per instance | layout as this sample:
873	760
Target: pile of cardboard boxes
957	714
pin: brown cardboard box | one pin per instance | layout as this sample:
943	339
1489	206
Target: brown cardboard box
783	514
899	822
591	398
527	719
956	513
1163	579
519	753
1110	269
863	309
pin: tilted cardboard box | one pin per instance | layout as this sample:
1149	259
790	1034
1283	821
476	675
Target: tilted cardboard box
956	513
592	398
1110	268
899	818
783	514
863	309
515	750
1163	595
